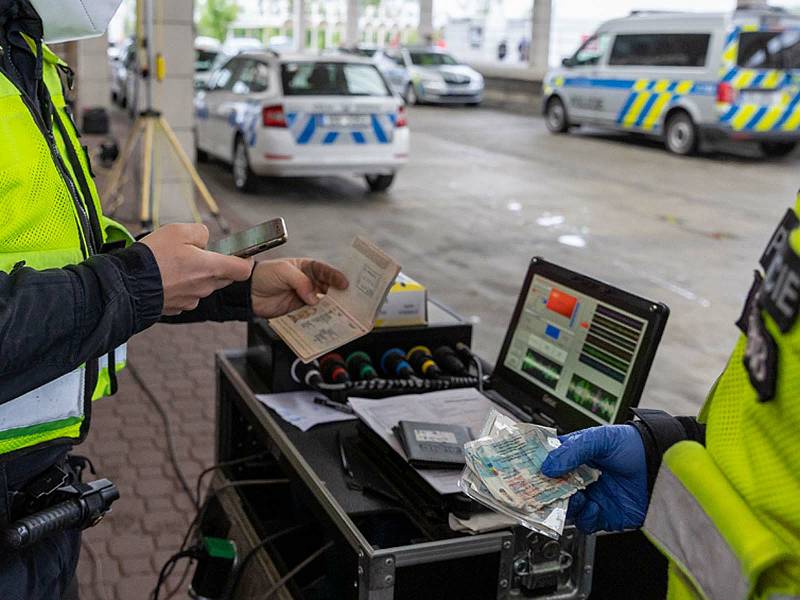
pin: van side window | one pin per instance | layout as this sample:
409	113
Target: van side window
769	49
660	50
591	51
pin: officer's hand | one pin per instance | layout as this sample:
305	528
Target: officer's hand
616	501
188	272
281	286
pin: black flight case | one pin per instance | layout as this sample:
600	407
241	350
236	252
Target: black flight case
387	537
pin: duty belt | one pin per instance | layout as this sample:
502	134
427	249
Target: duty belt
55	501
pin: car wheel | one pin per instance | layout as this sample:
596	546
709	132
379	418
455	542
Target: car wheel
243	177
777	149
555	116
411	95
680	134
379	183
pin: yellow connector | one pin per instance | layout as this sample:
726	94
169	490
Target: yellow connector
161	67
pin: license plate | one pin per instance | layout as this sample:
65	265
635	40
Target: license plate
358	121
763	98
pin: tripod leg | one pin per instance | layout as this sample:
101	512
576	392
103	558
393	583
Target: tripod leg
114	184
189	167
147	173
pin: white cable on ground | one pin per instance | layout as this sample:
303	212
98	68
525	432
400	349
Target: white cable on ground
97	570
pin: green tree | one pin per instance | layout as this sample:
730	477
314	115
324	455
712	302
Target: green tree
216	16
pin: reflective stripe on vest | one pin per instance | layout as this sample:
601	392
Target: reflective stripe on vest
719	546
60	399
120	357
678	525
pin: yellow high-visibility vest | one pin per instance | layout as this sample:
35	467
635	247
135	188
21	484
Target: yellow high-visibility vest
51	217
727	515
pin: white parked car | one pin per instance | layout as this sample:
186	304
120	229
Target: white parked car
302	116
436	77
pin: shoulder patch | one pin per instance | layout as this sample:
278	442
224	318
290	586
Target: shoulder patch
780	292
760	356
779	237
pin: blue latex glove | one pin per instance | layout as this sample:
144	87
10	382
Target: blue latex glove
619	499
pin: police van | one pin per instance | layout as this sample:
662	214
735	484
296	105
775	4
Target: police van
686	77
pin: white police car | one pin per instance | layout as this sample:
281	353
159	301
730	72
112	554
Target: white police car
290	116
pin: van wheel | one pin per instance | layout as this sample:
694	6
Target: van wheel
379	183
243	177
777	149
555	116
680	134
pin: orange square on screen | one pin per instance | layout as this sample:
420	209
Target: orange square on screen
561	303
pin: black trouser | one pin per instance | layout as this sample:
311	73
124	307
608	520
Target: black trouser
45	571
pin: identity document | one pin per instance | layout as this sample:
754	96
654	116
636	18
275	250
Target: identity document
341	316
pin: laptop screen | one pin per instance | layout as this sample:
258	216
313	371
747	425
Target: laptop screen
578	348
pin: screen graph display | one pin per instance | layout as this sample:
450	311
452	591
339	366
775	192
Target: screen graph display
575	347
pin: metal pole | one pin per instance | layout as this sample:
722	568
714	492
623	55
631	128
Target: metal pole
426	21
149	150
151	54
351	28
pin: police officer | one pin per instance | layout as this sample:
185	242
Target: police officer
718	495
74	287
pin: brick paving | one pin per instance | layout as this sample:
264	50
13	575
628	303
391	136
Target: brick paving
122	556
128	445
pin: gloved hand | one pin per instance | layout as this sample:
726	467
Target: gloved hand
619	499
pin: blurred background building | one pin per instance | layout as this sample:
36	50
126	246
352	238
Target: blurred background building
476	30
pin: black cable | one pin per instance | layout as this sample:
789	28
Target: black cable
233	582
198	518
415	384
179	585
165	570
283	580
173	458
222	465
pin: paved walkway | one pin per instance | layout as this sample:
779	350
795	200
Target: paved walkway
128	445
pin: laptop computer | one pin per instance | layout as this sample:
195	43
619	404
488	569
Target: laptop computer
577	351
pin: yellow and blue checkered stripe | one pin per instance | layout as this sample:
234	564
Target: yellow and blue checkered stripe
648	100
783	115
307	128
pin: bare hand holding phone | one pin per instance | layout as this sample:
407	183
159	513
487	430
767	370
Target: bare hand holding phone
263	237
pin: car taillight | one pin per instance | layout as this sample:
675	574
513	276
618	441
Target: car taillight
401	121
272	116
726	93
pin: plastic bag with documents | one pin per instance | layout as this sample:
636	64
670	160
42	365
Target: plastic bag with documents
503	472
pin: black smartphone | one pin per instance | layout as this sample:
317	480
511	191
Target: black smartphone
269	234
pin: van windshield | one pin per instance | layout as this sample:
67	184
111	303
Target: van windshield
769	49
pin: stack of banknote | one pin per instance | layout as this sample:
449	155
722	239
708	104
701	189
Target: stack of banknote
503	472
